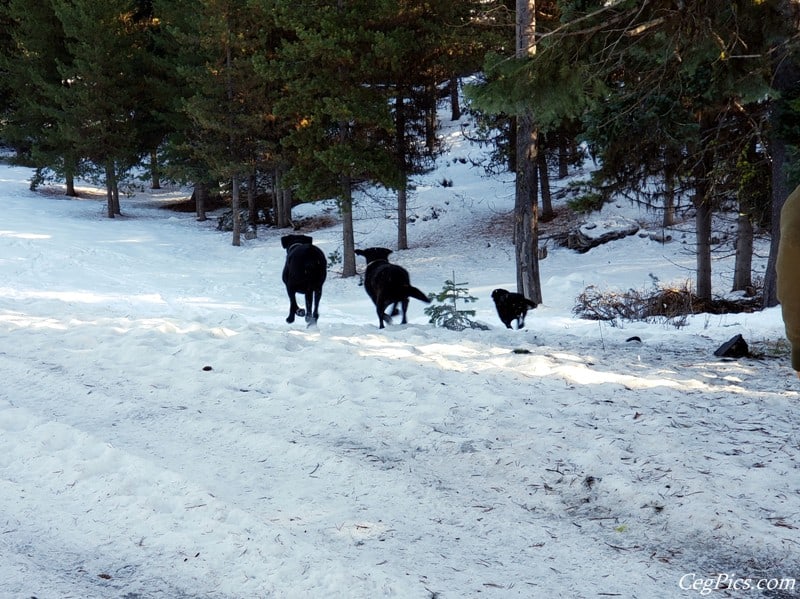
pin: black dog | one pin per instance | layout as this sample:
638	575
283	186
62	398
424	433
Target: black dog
304	272
388	284
511	306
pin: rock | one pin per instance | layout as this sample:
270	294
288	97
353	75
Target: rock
735	347
660	237
590	235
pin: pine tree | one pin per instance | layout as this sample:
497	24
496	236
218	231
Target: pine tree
7	50
33	124
784	127
230	129
343	126
104	102
657	84
423	45
446	313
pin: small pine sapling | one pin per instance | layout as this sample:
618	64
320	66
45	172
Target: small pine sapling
446	313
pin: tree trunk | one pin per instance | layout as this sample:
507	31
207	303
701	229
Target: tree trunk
115	194
348	237
669	206
780	191
69	179
235	192
402	192
402	218
526	221
430	119
110	189
70	168
703	203
70	187
276	198
455	107
155	171
742	272
511	140
252	206
200	200
237	212
785	77
544	185
669	191
286	206
563	155
280	199
703	229
526	242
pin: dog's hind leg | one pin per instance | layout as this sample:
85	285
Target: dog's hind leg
404	304
382	306
292	307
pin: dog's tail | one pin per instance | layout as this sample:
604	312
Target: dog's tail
417	294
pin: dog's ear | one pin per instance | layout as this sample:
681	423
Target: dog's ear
359	252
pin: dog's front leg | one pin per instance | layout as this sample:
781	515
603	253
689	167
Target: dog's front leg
381	315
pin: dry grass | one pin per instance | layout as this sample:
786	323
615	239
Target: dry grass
670	305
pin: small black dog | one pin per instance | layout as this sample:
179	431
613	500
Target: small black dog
511	306
388	284
304	272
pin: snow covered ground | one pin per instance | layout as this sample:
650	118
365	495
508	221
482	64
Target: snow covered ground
165	434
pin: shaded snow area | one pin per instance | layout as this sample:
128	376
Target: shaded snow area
165	434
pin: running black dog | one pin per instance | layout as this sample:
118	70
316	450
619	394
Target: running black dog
304	272
511	306
388	284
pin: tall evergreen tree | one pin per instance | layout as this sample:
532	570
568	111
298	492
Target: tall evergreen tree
785	128
526	205
34	124
105	101
7	49
229	133
627	66
523	125
343	125
428	44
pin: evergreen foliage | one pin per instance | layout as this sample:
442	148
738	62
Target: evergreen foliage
700	98
447	313
105	98
669	91
33	123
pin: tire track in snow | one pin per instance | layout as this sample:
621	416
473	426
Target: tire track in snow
161	526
